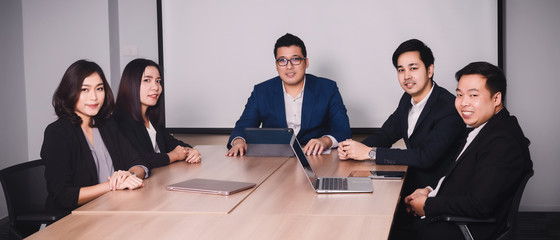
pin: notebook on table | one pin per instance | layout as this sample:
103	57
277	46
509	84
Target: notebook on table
269	142
210	186
330	184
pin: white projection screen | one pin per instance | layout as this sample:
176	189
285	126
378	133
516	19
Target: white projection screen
214	52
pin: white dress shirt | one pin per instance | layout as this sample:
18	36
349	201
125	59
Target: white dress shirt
415	111
293	106
152	132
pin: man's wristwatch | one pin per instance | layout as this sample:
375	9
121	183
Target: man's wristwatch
373	153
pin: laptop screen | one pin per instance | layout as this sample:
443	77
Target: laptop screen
303	159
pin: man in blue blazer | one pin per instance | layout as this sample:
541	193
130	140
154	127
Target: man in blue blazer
310	105
425	119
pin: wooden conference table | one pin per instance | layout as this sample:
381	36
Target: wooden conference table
282	206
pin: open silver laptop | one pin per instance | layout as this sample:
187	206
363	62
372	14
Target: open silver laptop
330	184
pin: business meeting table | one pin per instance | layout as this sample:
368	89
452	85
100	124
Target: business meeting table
283	205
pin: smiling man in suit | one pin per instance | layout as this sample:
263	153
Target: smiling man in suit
487	169
310	105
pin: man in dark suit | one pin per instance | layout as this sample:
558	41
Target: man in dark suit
487	169
425	119
310	105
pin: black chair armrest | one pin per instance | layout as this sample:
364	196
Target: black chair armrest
457	219
462	223
41	217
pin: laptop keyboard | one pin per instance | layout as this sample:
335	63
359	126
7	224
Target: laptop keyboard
334	183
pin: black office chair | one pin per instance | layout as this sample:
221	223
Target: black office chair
25	189
511	215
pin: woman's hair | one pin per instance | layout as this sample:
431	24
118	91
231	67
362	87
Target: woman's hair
128	98
68	92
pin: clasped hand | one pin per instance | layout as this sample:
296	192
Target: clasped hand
124	180
350	149
190	155
415	202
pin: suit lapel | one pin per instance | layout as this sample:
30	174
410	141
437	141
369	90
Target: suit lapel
404	118
160	141
308	102
138	129
277	95
86	154
422	116
427	108
146	136
465	153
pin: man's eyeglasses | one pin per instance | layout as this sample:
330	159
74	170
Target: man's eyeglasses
284	62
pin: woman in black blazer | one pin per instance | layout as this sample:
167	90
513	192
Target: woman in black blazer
85	155
140	115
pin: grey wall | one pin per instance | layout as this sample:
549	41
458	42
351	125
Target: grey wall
54	39
13	120
133	26
137	30
532	38
40	39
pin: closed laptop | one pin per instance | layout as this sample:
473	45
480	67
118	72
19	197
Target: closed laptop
210	186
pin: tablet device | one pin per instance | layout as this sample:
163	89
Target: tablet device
387	174
210	186
379	174
269	142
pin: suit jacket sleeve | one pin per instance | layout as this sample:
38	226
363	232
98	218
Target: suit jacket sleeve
169	141
434	146
166	143
58	151
339	126
249	118
388	134
138	137
429	143
122	152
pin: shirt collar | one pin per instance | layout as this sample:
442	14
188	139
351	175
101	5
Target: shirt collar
475	131
422	103
482	125
300	93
